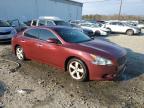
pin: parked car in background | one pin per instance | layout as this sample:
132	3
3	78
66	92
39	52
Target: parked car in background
120	27
97	30
71	50
51	21
140	25
19	26
86	31
6	31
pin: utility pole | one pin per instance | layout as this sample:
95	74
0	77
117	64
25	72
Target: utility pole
121	3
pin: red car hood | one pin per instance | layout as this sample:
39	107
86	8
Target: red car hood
103	48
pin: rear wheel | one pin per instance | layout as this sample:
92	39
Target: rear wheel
97	33
20	53
109	30
130	32
77	70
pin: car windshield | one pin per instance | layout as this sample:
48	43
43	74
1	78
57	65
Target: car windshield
62	23
72	35
4	24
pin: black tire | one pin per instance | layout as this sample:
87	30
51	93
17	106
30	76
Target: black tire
130	32
22	58
97	33
109	30
84	76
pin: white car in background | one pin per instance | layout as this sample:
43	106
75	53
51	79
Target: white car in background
97	30
51	21
6	31
120	27
140	26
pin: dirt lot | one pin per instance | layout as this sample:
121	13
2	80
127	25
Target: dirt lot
48	87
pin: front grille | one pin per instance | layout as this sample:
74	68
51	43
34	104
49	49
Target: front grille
90	33
122	60
5	40
5	33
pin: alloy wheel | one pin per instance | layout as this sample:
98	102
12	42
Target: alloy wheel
76	70
19	53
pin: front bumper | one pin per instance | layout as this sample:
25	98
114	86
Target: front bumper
104	73
6	38
103	33
138	31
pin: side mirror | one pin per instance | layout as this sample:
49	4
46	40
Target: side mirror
52	40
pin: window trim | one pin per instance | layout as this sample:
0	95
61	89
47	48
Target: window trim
61	42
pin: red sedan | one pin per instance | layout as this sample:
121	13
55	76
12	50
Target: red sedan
84	58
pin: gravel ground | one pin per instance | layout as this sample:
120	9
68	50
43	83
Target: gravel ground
48	87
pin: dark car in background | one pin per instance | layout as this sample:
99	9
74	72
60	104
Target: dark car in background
18	25
71	50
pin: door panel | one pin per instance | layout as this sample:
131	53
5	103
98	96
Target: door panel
50	53
28	41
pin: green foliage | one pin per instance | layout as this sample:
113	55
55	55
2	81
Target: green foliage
112	17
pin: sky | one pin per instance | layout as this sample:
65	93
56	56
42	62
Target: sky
110	7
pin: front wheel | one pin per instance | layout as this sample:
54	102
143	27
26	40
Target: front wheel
20	53
77	69
130	32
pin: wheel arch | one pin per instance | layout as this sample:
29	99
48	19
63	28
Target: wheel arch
129	29
72	57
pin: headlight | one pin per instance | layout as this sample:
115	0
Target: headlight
100	60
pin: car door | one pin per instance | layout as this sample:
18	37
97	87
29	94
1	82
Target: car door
114	27
120	27
47	51
29	42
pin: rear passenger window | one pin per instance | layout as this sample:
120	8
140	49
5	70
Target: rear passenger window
42	23
113	23
32	33
50	23
45	34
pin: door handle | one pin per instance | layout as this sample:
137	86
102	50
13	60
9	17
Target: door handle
23	41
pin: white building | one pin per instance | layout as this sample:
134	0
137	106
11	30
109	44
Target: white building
31	9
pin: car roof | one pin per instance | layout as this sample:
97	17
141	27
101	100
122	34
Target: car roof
49	18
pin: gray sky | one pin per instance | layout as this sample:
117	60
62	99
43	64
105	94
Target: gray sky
130	7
